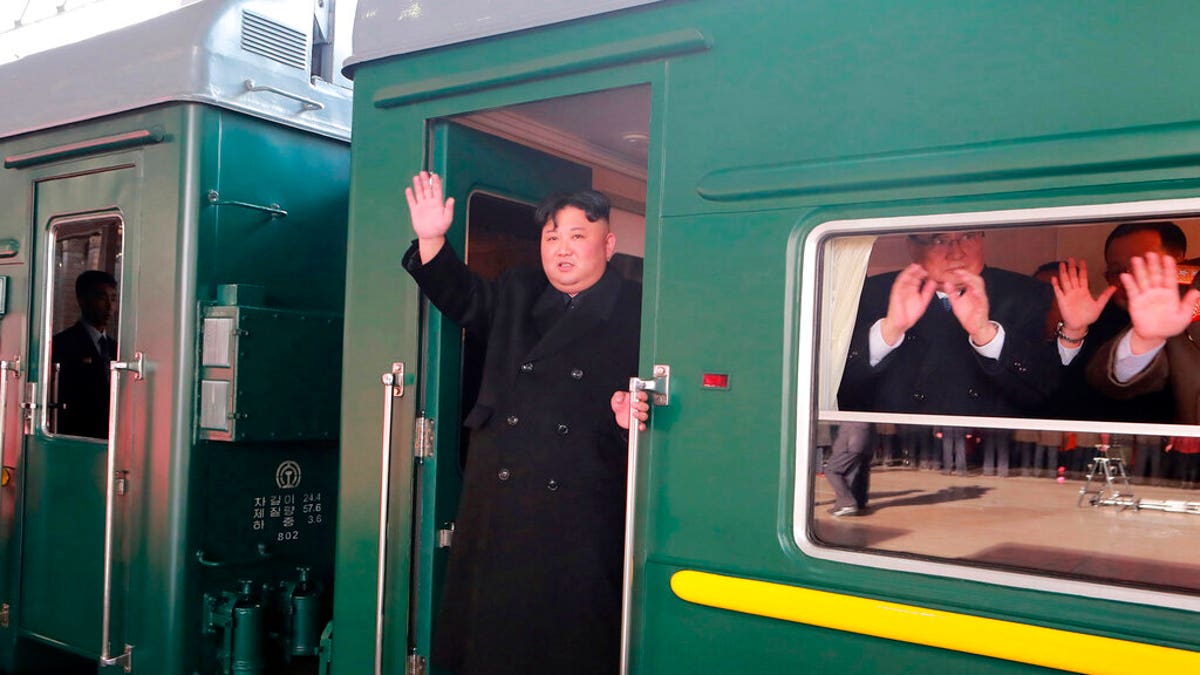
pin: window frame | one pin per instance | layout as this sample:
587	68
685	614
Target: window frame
808	415
54	224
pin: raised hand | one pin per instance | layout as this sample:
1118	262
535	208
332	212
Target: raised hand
620	408
911	292
1155	307
969	302
1075	302
430	214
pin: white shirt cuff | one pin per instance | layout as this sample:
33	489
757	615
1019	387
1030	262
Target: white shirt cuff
1127	365
878	348
1067	354
992	349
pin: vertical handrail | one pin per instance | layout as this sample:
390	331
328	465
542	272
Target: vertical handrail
6	367
393	387
137	367
660	396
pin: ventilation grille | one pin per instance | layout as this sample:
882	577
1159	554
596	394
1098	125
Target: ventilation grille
273	40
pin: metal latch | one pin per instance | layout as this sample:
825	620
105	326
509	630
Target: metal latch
445	536
423	438
415	665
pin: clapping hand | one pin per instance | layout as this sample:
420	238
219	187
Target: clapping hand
911	292
969	302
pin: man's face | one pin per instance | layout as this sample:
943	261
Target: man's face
1121	250
942	253
575	250
97	305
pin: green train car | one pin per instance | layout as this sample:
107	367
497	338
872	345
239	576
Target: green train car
175	513
764	157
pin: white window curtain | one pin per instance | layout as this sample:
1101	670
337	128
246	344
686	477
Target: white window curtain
843	272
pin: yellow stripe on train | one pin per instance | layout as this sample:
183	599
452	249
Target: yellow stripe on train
1035	645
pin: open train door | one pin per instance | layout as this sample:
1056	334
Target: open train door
496	185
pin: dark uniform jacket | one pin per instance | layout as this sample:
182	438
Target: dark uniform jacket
533	584
936	371
82	383
1176	368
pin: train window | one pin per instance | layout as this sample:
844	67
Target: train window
964	418
82	320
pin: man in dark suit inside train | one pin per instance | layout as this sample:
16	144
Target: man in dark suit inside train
949	335
81	353
533	584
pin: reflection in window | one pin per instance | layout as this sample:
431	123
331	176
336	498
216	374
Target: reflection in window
1019	458
84	299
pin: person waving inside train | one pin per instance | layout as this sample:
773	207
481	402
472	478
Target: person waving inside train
533	583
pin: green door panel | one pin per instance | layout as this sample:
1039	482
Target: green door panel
64	477
469	161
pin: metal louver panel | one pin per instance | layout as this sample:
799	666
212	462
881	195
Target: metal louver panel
273	40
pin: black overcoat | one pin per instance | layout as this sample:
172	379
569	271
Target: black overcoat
533	584
935	370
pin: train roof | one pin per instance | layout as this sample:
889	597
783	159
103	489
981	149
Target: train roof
384	28
252	56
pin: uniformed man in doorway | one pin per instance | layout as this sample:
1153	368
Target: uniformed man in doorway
533	584
81	353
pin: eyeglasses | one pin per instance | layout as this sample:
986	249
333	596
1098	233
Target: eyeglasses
941	243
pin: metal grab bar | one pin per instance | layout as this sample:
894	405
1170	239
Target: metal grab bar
305	102
659	395
393	388
138	367
6	367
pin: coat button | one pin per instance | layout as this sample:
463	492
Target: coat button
563	429
503	474
512	420
577	374
918	396
526	367
552	485
972	393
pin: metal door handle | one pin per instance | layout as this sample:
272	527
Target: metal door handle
6	367
138	367
660	395
393	388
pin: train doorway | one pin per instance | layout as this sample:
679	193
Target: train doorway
498	165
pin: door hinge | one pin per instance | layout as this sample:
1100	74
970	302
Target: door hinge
423	438
415	665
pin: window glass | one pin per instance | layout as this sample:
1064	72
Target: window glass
84	302
964	411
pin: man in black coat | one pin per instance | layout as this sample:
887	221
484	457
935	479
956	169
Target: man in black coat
82	353
533	584
948	335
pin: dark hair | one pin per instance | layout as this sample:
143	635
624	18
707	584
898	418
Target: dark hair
93	279
1174	241
593	204
1051	267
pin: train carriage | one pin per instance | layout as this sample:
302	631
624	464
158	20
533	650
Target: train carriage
200	160
766	157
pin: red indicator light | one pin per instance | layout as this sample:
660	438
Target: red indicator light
715	381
